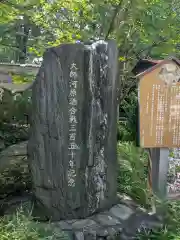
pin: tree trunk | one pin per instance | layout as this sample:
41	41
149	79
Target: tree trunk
22	36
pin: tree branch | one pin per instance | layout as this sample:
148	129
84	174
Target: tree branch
149	48
127	91
8	45
138	55
111	26
17	6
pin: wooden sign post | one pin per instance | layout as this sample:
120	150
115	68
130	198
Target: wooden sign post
159	118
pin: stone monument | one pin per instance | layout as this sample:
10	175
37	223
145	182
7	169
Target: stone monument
72	146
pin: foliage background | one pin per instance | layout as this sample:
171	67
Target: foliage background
141	28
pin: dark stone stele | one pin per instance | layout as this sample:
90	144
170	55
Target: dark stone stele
95	160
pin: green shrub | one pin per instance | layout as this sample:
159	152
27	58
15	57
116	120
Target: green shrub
171	229
15	108
133	172
127	130
21	227
14	112
132	180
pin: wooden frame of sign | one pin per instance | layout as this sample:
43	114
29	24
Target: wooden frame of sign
159	118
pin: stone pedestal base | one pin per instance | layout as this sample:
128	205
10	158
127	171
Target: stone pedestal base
122	221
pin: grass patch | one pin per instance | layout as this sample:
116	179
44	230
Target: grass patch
19	226
132	180
133	172
171	229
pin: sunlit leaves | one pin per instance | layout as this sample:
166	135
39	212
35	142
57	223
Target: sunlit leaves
7	14
135	24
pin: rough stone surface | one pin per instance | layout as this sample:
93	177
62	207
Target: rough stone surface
106	219
65	225
72	147
85	223
121	211
124	225
14	171
79	235
15	154
127	201
2	145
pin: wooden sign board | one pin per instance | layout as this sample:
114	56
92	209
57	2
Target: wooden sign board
159	107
